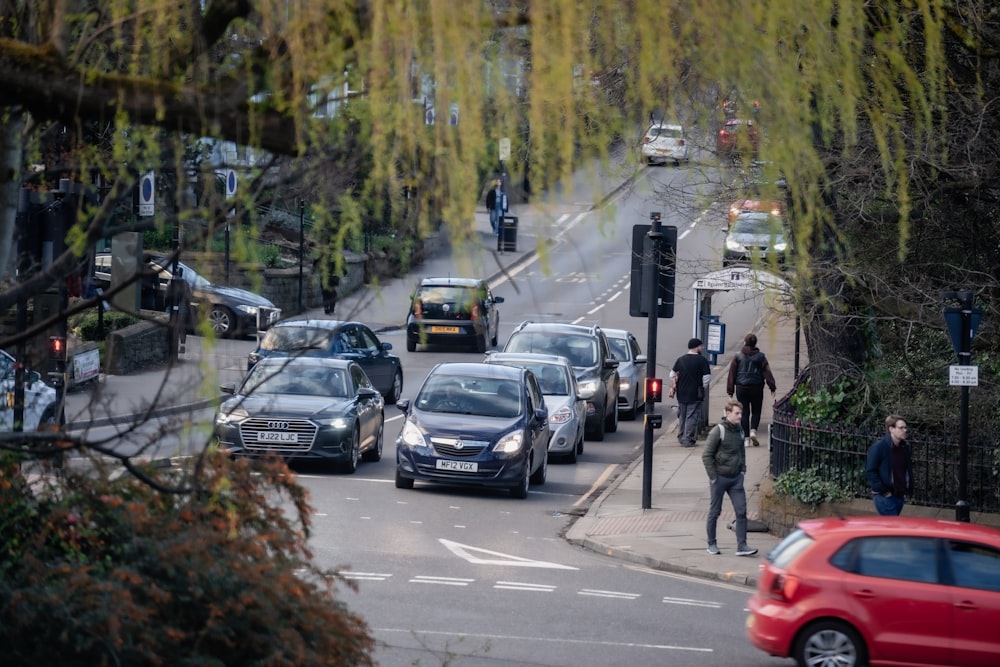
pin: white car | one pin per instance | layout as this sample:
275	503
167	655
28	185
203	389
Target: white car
567	410
39	398
664	143
631	370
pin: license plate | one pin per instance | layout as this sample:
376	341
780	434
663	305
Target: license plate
762	254
463	466
444	330
277	436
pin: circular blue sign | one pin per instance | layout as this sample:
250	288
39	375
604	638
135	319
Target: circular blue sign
147	188
232	181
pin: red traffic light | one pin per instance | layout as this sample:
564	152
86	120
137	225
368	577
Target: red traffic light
654	389
57	347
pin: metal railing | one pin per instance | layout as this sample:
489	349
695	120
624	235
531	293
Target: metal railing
839	454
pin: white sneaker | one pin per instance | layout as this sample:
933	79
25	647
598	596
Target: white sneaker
713	550
753	438
745	550
746	442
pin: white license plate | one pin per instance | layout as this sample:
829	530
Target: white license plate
277	436
463	466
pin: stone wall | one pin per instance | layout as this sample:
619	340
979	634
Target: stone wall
136	347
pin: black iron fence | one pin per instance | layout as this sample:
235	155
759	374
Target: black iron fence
839	455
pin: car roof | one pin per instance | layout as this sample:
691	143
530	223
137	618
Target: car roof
281	362
477	369
315	323
557	327
857	526
536	357
449	281
618	333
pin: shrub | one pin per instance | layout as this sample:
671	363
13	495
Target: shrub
807	486
86	327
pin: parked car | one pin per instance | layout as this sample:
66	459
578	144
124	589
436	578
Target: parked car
40	404
230	310
453	311
475	424
302	409
880	591
595	367
567	410
737	137
631	371
756	237
664	143
337	339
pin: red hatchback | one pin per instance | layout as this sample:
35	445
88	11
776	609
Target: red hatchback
875	591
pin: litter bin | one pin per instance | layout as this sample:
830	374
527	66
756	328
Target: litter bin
507	234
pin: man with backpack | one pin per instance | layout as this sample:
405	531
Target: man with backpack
726	463
748	372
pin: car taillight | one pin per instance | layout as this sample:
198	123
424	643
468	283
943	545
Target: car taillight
680	143
784	587
723	134
475	311
418	309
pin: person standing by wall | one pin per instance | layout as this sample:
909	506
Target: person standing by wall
494	204
748	372
725	462
689	382
889	469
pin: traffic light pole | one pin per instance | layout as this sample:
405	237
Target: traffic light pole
651	276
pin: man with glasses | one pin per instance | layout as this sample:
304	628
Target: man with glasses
889	468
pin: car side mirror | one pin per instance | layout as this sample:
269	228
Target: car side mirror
367	392
611	363
541	414
640	359
386	346
403	405
498	299
228	388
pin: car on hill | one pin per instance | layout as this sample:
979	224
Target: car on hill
567	410
41	403
475	424
231	311
756	237
453	312
737	137
337	339
774	207
303	409
880	591
594	365
664	143
631	371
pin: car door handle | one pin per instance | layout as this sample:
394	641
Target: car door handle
865	594
967	605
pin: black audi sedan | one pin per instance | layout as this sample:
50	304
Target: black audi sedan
303	408
334	338
475	424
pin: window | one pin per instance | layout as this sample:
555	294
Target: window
907	558
974	566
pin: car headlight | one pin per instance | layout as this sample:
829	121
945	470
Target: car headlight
249	310
734	245
510	443
561	416
588	388
624	385
411	435
780	247
231	418
340	423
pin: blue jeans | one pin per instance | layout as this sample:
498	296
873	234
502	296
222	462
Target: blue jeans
495	218
887	506
688	422
737	496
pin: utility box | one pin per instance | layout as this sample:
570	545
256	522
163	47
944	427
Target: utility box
507	234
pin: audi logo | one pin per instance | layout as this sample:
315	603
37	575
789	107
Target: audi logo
277	426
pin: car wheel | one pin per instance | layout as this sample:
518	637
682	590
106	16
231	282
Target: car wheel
411	344
571	457
374	454
397	387
538	478
223	321
829	642
403	482
521	490
354	454
611	420
598	432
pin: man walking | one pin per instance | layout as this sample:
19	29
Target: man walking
889	469
494	204
725	462
689	382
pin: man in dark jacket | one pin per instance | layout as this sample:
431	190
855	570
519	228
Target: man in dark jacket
689	381
889	469
725	462
748	372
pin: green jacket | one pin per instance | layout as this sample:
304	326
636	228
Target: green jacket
725	456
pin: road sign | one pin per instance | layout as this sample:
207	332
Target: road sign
739	278
504	149
963	376
231	182
147	195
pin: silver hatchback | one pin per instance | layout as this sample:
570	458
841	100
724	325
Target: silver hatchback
631	369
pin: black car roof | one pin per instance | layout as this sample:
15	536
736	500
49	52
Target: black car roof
315	323
457	282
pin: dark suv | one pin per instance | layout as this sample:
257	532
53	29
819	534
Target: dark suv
453	311
593	362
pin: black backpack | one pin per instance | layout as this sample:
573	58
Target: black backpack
748	370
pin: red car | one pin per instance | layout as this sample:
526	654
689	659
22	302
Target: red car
737	136
898	591
772	206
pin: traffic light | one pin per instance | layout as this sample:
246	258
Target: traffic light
654	390
57	355
664	263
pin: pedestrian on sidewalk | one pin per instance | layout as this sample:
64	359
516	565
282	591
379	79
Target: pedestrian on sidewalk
725	462
494	204
689	380
889	468
748	372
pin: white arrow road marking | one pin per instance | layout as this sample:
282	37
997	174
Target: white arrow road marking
692	603
519	586
444	581
609	594
466	552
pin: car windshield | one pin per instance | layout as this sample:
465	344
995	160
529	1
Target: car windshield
666	132
580	350
552	379
293	338
446	301
486	397
759	224
300	381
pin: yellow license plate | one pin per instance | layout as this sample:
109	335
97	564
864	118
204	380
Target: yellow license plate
444	330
